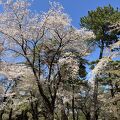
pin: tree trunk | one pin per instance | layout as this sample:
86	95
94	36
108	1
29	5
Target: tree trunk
95	101
1	114
25	117
101	49
95	93
63	114
68	109
34	111
88	117
10	114
77	118
73	104
22	116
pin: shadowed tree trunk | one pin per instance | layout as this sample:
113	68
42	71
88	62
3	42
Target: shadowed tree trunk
34	112
10	114
95	101
73	104
1	114
63	114
101	49
95	92
77	117
88	117
22	116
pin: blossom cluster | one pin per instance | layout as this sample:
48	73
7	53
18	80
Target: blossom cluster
96	72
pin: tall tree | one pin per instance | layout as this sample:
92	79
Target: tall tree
98	21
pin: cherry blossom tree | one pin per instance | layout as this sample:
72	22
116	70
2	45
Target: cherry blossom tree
46	41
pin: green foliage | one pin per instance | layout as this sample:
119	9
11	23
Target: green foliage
99	20
82	68
92	64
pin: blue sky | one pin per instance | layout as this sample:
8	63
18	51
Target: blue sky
75	8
